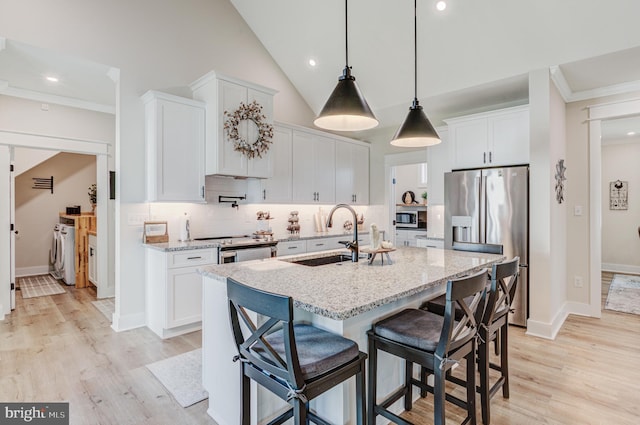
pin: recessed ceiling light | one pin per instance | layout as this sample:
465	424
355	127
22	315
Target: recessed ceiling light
631	133
52	79
441	5
312	62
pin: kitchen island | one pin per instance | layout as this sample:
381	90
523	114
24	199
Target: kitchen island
345	298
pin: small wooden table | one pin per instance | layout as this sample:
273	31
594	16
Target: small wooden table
384	253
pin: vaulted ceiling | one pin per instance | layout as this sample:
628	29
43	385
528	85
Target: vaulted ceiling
473	56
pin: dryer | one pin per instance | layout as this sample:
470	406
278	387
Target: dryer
66	263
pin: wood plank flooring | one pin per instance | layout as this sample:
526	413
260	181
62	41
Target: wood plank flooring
61	348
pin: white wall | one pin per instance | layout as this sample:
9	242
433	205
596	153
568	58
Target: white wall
547	281
620	239
162	45
409	178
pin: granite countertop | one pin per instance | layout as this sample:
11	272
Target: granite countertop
184	246
344	290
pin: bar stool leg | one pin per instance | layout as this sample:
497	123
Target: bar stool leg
408	392
299	412
438	395
483	366
361	407
245	397
371	390
471	385
504	359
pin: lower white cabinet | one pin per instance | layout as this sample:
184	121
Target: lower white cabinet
429	243
292	247
174	290
318	244
408	237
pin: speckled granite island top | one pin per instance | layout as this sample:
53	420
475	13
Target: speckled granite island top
343	290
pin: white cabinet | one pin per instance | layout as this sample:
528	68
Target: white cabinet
438	163
279	187
408	237
313	171
175	145
174	290
222	93
92	268
292	247
352	174
490	139
429	243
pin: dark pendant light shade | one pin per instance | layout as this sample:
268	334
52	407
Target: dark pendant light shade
416	130
346	109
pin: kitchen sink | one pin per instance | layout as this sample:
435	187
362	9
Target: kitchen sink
322	261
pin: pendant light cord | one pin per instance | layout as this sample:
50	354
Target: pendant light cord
415	50
346	34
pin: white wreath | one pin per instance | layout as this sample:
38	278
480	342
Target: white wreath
252	112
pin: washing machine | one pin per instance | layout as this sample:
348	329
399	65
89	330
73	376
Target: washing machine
66	263
54	252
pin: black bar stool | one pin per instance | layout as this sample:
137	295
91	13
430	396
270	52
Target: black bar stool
297	362
494	327
437	343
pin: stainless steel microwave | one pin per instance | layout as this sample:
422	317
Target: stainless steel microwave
411	219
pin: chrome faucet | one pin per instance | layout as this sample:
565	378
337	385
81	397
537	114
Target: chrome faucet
352	246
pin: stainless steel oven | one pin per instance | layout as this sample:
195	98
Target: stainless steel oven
233	249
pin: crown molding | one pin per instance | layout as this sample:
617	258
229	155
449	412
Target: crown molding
561	83
6	90
570	96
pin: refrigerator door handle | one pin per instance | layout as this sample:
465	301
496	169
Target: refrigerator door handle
483	210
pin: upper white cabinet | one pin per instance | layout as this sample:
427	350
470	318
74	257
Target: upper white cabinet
314	168
438	163
278	187
222	93
490	139
352	174
175	145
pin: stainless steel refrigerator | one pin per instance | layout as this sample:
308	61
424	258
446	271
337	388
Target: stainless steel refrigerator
491	205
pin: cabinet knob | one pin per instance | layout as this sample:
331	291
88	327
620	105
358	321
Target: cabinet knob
484	157
490	156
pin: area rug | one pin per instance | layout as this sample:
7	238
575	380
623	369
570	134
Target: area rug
106	306
182	376
624	294
39	286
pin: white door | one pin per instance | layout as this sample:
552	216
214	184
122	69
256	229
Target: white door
5	239
14	231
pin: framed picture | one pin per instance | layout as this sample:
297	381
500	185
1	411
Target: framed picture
618	195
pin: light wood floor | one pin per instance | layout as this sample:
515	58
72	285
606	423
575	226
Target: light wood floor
60	348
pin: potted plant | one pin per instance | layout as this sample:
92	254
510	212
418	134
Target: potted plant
93	191
424	198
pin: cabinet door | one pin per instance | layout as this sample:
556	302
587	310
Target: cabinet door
470	143
229	161
509	136
184	297
175	148
324	154
93	259
352	173
291	247
438	163
261	167
303	186
278	187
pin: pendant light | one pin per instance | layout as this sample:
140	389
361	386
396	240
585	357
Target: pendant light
346	109
416	130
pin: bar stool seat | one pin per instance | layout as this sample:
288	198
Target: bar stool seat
412	327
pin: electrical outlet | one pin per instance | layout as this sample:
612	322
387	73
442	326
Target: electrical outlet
577	210
577	281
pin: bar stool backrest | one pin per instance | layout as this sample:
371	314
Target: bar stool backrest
456	333
249	337
504	279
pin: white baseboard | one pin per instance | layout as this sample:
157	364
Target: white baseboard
547	330
31	271
620	268
130	321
